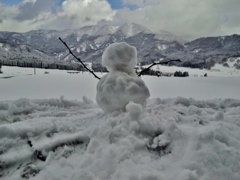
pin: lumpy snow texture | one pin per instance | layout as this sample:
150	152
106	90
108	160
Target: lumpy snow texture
120	56
120	86
81	143
116	89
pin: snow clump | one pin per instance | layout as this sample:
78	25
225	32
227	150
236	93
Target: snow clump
121	85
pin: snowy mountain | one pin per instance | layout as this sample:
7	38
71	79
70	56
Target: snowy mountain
26	56
167	36
89	42
105	30
131	29
12	52
207	51
215	45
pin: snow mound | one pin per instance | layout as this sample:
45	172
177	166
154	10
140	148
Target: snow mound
120	86
170	138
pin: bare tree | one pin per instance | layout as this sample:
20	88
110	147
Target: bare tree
156	63
79	59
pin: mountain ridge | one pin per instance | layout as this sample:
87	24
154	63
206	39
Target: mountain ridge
89	43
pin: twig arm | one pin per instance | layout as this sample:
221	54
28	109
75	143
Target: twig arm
165	62
70	51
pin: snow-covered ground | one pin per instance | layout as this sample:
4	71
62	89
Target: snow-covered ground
189	130
18	83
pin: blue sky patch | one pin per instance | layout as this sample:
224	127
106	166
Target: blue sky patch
10	2
115	4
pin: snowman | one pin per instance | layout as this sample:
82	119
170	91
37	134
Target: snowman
121	85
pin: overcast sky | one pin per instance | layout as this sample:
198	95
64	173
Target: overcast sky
189	19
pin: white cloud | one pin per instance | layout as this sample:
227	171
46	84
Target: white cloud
187	18
30	9
87	12
35	14
7	12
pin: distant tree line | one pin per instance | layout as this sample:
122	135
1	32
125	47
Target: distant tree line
151	72
159	73
43	65
181	74
97	67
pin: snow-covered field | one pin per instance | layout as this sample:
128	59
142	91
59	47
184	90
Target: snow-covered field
189	130
18	83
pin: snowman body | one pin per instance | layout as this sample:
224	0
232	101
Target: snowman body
121	85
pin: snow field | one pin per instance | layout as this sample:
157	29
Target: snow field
74	86
24	84
170	138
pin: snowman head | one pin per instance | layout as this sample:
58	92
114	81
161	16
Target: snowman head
120	57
